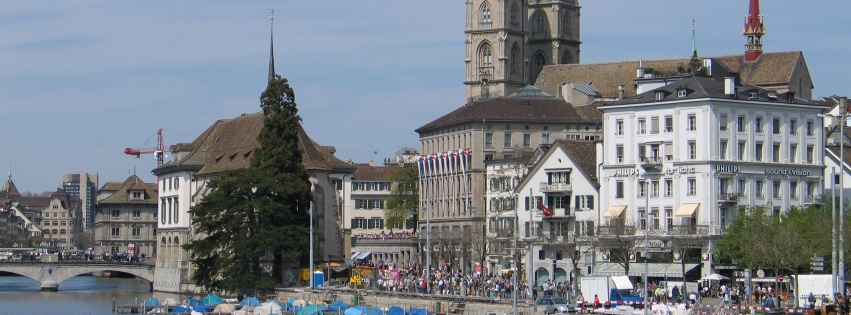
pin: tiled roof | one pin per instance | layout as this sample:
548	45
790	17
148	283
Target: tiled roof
111	186
703	87
229	144
511	108
35	203
590	112
770	69
835	150
375	173
584	155
133	183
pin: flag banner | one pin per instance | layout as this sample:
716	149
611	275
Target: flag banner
547	212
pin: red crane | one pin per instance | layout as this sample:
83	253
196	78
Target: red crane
159	151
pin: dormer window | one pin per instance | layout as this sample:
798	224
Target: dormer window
136	195
660	95
753	95
682	92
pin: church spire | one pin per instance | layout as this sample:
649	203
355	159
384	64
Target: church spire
272	45
753	32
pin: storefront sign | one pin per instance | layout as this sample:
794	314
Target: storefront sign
625	172
681	170
728	169
787	171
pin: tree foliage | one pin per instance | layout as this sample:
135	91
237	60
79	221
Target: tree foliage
404	195
255	221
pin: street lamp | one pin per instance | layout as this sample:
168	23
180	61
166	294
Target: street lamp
839	273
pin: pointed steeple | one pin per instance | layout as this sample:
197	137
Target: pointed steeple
753	31
272	45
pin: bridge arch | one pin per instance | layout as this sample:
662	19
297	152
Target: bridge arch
50	275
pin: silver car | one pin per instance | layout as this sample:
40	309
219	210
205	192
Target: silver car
552	305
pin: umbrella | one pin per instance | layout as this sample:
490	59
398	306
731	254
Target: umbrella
357	310
395	310
212	299
374	311
311	309
337	306
715	276
224	309
268	308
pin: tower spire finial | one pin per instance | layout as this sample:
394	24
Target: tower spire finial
271	44
753	31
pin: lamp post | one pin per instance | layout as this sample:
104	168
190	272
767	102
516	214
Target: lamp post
839	240
313	183
646	237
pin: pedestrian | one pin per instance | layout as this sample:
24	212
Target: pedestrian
597	302
812	300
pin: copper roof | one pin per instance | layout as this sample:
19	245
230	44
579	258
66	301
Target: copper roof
133	183
770	69
229	144
510	108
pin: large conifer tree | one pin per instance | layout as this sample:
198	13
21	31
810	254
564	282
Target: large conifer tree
256	217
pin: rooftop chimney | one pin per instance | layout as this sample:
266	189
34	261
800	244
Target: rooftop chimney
639	73
621	90
730	86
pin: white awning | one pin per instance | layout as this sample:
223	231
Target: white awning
363	255
615	212
355	255
673	270
687	209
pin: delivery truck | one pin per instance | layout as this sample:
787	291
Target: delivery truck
615	290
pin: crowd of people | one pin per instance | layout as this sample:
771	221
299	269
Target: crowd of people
390	235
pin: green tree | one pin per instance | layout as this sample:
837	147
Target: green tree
255	221
404	195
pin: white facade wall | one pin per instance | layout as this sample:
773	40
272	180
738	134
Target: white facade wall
174	229
698	169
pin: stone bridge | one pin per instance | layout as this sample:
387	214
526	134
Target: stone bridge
51	274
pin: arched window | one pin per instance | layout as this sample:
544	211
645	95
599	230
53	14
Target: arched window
566	57
486	14
514	61
162	211
540	23
565	24
169	210
54	232
163	242
62	232
485	56
539	62
176	241
176	211
512	17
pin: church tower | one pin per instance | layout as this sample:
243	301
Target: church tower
508	42
753	32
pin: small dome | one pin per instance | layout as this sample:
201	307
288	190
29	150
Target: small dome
529	92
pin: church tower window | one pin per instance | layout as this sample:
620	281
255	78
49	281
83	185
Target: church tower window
486	15
512	18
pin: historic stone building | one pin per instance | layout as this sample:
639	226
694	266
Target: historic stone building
510	41
125	219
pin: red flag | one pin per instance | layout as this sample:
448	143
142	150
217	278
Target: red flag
547	212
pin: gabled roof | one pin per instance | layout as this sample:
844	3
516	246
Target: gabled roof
699	87
528	106
228	144
374	173
132	184
775	68
583	154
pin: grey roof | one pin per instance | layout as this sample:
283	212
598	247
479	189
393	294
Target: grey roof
586	89
529	91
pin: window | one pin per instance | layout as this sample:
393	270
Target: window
137	195
669	187
759	192
527	140
176	183
176	211
115	231
641	152
776	153
722	217
486	56
642	126
793	126
669	123
722	122
63	232
758	124
810	155
358	223
740	124
776	189
669	216
660	95
692	122
540	23
507	142
692	150
753	95
722	151
654	188
545	138
669	151
793	153
162	211
619	127
682	92
137	231
489	140
619	189
137	214
793	189
654	125
513	16
642	221
741	188
619	153
775	126
642	188
692	186
584	202
810	130
116	213
742	146
63	222
376	223
486	14
758	152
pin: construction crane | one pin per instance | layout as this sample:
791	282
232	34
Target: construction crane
158	152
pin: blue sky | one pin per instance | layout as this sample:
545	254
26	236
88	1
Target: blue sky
82	80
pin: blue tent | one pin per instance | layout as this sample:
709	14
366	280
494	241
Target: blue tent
250	301
395	310
212	300
180	309
374	311
152	302
338	306
356	310
418	311
193	301
311	309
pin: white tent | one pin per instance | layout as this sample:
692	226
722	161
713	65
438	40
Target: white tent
715	277
267	309
224	309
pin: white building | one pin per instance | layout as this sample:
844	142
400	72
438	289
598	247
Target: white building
709	149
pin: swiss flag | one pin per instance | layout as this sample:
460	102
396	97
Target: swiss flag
547	212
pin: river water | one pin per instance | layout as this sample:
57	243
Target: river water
76	296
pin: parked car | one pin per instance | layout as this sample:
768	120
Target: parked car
552	305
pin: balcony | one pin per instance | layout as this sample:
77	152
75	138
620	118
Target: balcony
814	200
728	198
555	188
651	163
